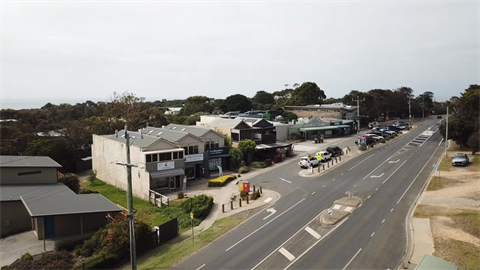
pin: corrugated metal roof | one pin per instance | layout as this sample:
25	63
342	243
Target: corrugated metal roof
28	161
194	130
430	262
39	206
13	192
145	142
167	134
225	123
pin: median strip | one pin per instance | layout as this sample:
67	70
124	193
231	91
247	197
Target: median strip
312	232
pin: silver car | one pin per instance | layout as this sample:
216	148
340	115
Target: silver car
460	159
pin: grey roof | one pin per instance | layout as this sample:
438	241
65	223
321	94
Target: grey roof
39	206
145	142
167	134
197	131
28	161
326	106
225	123
13	192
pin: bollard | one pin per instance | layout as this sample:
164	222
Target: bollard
328	164
223	208
247	199
324	167
240	202
318	168
231	205
261	190
336	160
340	158
253	188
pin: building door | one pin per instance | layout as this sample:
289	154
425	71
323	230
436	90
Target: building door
49	225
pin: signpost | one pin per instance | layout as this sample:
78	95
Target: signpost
330	212
193	234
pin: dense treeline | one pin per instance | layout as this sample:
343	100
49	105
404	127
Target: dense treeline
64	132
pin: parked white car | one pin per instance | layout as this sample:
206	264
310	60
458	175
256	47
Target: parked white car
308	161
324	155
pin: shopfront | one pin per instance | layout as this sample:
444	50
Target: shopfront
217	157
194	166
166	177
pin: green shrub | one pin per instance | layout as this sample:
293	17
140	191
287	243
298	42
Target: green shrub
243	194
109	262
27	256
48	260
258	164
180	195
199	205
87	191
243	169
221	181
69	244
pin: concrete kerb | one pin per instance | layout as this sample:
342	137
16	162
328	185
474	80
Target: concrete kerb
339	215
410	247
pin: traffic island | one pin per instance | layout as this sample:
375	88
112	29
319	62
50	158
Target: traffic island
339	210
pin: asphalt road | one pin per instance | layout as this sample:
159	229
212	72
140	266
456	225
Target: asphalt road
387	179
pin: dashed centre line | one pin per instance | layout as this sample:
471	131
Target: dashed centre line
372	234
201	266
383	220
391	210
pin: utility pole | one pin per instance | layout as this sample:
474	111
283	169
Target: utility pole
446	135
409	112
131	222
423	107
358	112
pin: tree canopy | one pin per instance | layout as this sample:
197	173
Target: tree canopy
307	93
238	102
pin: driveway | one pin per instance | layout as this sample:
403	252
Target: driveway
13	247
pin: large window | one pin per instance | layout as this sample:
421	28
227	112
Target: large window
211	144
189	150
163	156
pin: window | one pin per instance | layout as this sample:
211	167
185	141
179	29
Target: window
215	145
165	156
195	149
154	158
186	150
207	145
175	155
180	155
148	158
28	173
190	150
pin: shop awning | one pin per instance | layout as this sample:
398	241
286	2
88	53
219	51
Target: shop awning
167	173
318	128
272	145
344	126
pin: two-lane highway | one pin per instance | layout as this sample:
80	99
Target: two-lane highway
293	237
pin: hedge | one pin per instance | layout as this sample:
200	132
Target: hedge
69	244
221	181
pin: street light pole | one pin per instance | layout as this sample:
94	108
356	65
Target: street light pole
409	112
358	112
446	135
423	107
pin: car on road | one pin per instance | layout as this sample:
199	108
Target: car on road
334	150
460	159
439	117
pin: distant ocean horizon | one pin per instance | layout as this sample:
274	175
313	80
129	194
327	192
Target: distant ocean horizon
20	104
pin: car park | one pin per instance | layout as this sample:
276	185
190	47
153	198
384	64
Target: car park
308	161
460	159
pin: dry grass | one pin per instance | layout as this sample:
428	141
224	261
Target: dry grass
468	221
457	252
441	182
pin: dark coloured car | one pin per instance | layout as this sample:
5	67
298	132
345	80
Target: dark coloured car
439	116
334	150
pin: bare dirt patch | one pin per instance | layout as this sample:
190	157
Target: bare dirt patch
452	203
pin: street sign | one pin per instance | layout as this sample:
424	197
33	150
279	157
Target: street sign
191	215
435	166
330	211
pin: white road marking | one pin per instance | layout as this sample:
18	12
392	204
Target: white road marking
354	185
372	234
241	240
314	244
268	199
369	197
201	266
333	179
342	174
288	240
376	189
361	162
440	142
287	254
285	180
394	172
348	209
271	211
352	259
324	185
394	161
417	175
391	210
377	176
383	221
313	192
312	232
336	206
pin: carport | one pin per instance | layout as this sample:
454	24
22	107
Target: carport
311	132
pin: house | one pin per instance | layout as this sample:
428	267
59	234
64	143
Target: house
322	128
335	110
31	199
172	110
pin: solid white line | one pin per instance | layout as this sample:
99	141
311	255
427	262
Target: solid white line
201	266
287	254
285	180
312	232
394	172
241	240
417	175
314	244
287	240
361	162
372	234
378	166
383	220
352	259
268	199
440	142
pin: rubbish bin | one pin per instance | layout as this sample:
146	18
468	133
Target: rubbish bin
244	185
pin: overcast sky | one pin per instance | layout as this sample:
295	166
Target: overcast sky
72	51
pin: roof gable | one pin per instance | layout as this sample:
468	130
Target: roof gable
262	123
28	161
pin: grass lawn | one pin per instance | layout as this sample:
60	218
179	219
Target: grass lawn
146	211
441	182
167	255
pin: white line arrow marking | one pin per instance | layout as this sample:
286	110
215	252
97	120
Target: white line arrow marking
376	176
285	180
271	211
394	161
